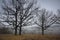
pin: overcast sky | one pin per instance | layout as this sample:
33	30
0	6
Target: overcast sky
51	5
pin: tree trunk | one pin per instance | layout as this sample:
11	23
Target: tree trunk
42	30
20	30
15	30
20	26
16	23
43	24
21	17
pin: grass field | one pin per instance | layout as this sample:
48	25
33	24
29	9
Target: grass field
29	37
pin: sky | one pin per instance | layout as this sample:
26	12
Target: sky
0	5
51	5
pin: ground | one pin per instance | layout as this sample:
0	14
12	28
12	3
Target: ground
29	37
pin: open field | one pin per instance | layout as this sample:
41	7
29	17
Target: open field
29	37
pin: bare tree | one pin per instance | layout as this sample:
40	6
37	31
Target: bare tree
45	19
22	12
58	16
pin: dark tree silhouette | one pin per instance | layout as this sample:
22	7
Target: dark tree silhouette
45	19
21	10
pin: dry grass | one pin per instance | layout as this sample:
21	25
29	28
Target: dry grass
29	37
